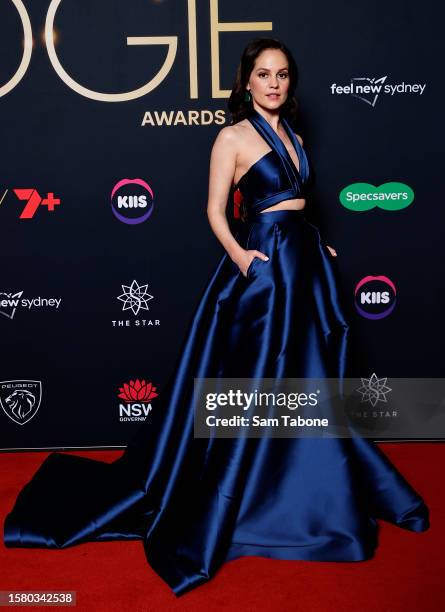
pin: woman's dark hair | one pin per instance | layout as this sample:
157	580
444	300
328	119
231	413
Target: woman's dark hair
237	104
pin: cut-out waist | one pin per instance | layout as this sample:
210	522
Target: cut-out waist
286	198
276	216
291	204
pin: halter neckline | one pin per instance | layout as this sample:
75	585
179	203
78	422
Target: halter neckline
265	130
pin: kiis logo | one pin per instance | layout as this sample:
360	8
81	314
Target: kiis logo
375	297
132	201
369	89
364	196
137	394
33	201
20	399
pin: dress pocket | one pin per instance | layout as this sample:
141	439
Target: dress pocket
250	267
253	267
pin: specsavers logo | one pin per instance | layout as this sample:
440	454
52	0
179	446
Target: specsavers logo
364	196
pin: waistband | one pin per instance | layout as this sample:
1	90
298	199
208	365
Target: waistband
277	215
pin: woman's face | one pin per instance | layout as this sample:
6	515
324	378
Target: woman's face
269	79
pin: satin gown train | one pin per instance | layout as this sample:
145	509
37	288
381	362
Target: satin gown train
196	503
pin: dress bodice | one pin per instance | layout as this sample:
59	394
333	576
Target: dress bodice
274	177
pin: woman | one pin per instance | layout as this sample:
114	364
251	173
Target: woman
271	309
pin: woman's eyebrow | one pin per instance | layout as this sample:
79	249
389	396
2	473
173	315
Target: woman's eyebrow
268	69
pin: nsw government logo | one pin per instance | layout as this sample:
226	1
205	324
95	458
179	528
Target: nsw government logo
135	299
20	399
132	201
136	395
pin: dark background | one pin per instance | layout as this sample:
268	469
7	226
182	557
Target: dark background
55	140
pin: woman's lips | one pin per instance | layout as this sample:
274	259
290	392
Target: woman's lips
273	95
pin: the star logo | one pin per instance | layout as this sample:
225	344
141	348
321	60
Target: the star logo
374	390
135	297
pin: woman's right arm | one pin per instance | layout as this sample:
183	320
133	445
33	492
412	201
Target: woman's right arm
222	170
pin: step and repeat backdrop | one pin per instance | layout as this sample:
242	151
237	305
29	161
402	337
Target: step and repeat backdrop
108	112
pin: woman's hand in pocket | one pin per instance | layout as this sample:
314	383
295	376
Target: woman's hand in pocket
244	261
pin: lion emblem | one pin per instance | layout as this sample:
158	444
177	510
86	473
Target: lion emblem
20	403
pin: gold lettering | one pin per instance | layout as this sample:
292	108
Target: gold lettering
172	45
183	117
27	49
215	28
170	41
193	53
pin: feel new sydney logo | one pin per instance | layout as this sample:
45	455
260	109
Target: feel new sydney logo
369	89
10	302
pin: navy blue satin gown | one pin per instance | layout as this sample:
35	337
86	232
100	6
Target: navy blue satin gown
196	503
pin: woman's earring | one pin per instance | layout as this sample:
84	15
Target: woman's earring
247	96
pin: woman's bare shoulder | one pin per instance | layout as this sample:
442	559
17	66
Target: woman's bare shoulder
300	140
231	136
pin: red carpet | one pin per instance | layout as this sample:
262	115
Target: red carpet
406	574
